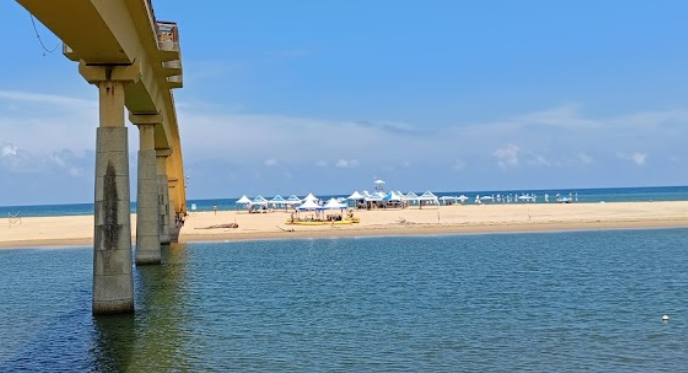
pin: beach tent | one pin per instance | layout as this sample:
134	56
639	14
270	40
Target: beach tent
392	196
278	201
243	200
410	196
310	197
355	196
293	200
462	198
259	200
309	205
333	204
374	197
428	197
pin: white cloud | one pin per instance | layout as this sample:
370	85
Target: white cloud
65	103
346	163
562	136
507	156
7	150
539	160
637	157
585	158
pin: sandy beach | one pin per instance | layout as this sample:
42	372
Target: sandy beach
78	230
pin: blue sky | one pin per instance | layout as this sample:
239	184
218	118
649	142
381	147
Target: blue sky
300	96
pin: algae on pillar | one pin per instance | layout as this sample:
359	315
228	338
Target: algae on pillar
163	195
147	206
113	282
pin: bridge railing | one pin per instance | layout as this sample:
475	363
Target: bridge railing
168	36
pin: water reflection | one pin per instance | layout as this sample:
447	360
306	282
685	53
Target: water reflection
153	338
114	340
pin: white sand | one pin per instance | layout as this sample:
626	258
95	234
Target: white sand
78	230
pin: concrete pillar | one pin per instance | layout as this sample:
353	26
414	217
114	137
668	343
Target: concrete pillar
147	206
174	218
113	282
163	195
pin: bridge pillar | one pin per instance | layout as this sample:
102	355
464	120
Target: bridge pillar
113	282
175	222
147	205
163	195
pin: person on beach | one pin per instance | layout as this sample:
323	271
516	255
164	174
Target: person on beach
215	209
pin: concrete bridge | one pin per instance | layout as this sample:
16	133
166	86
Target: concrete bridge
135	62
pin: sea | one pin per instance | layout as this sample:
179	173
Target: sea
527	302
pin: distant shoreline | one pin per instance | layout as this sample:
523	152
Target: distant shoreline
77	231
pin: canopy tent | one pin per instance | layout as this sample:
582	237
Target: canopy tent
310	197
278	201
375	197
356	196
259	200
333	204
392	196
428	195
410	196
293	200
243	200
428	198
309	205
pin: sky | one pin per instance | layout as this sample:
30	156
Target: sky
312	96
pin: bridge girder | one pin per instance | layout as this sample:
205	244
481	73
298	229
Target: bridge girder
122	32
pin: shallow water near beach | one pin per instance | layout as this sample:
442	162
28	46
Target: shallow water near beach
510	302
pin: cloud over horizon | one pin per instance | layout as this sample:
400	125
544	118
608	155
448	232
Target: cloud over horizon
528	146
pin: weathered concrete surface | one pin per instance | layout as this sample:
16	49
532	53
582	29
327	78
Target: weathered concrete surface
113	282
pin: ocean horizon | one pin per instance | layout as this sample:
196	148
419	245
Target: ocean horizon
581	195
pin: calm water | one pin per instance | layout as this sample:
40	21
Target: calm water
565	302
638	194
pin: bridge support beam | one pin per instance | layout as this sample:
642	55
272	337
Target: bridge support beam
163	195
147	205
113	282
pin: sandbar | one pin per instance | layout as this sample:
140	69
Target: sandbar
459	219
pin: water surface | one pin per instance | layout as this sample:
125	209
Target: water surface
540	302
